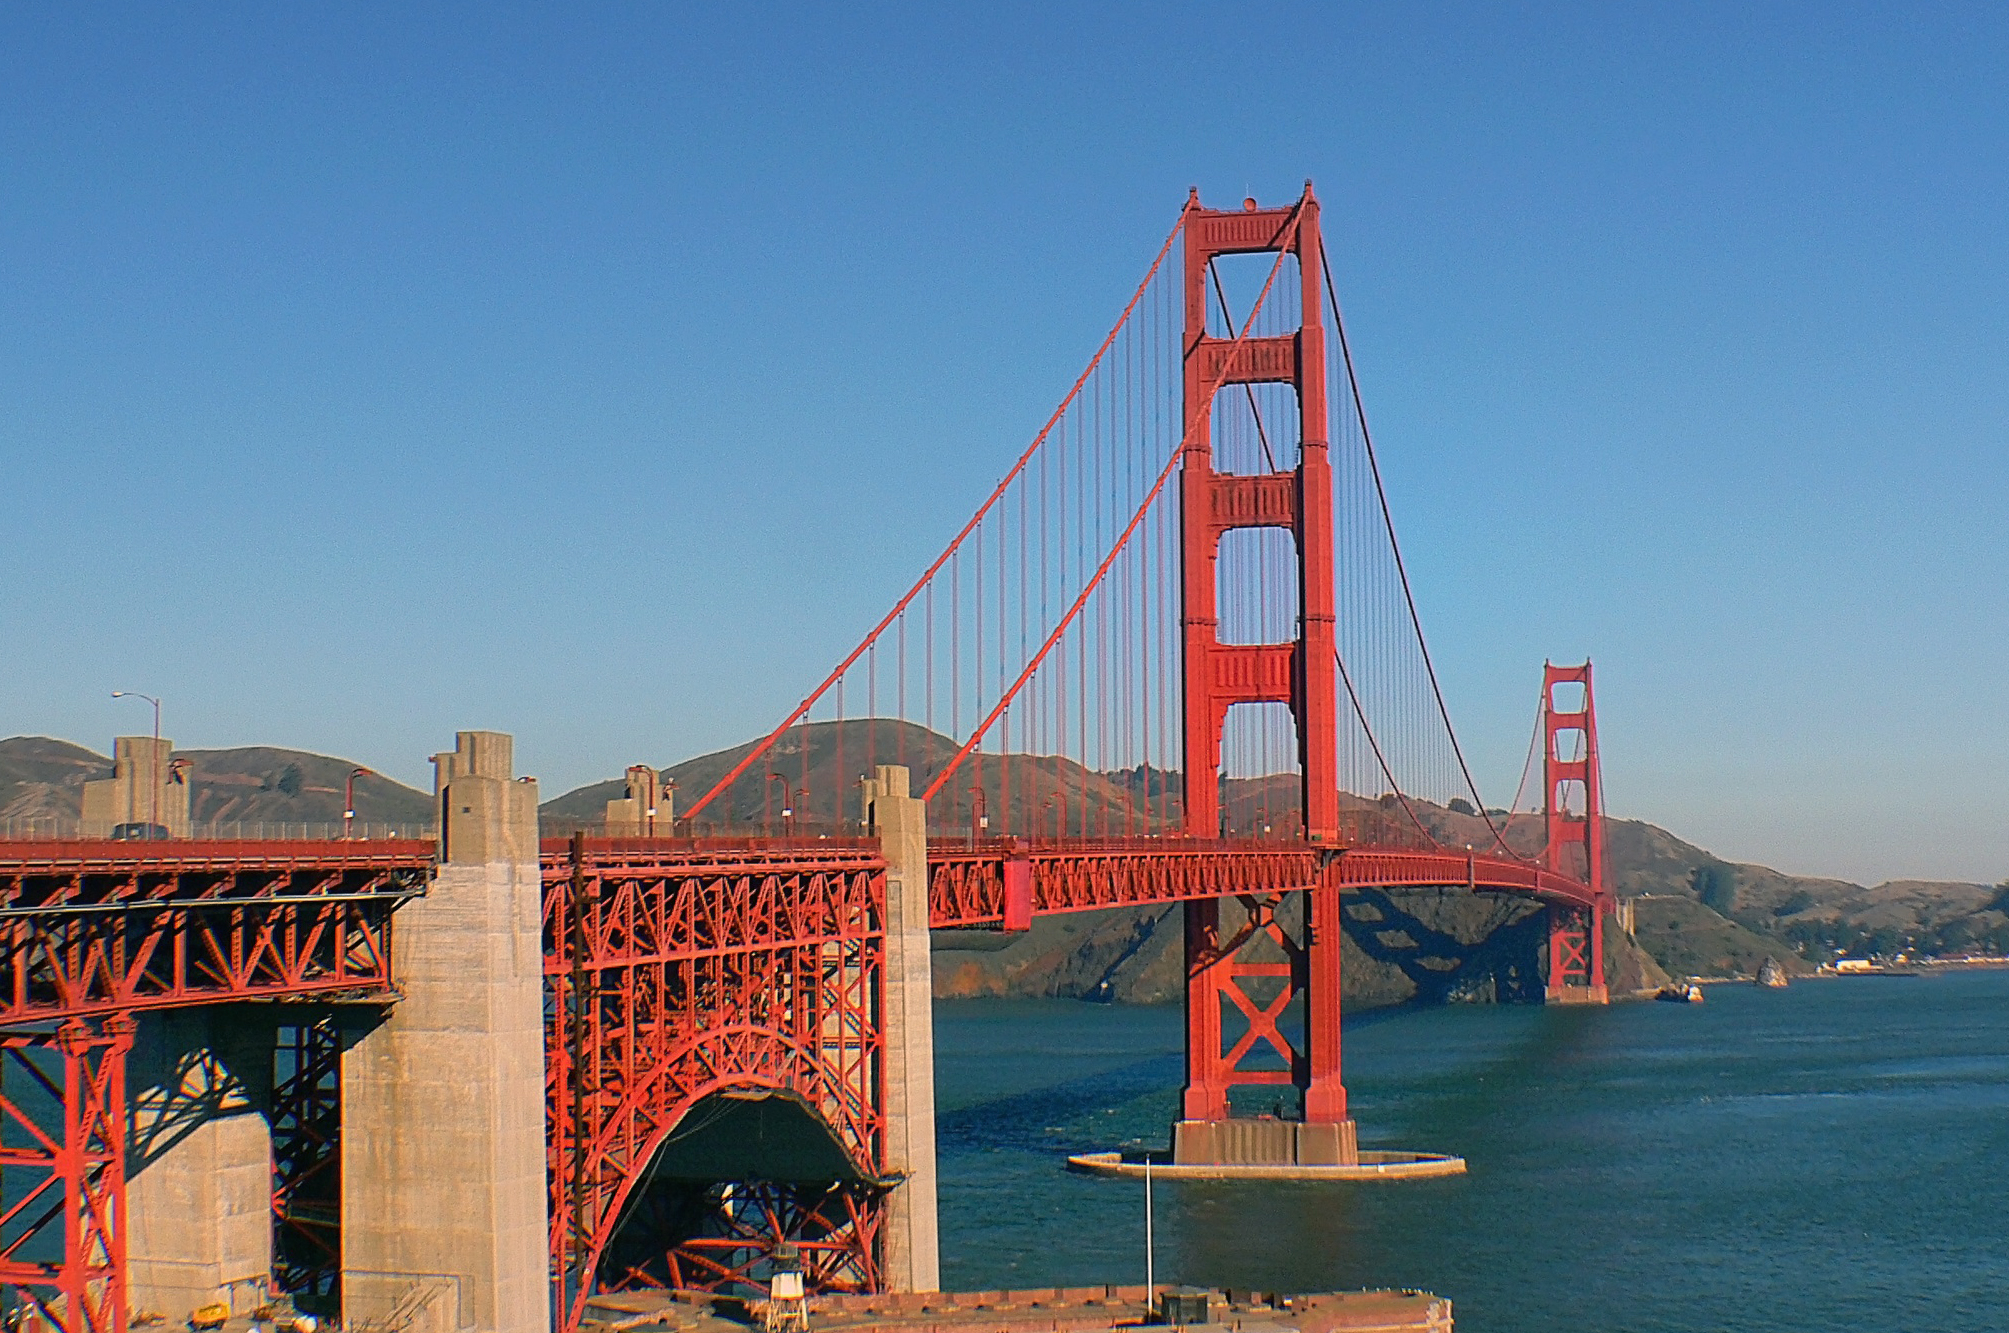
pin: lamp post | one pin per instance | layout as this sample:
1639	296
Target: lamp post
153	760
349	799
980	820
767	809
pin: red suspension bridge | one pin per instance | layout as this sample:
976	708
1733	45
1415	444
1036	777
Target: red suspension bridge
1173	658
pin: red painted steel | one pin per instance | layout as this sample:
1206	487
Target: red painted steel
306	1120
1218	675
1218	963
72	1176
94	928
94	932
673	972
1573	803
967	888
1323	1092
675	969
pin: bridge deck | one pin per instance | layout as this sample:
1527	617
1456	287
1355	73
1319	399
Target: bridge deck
95	928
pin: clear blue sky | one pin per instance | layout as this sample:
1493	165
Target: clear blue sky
365	376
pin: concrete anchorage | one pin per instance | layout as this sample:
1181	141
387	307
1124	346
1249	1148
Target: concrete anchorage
443	1166
147	786
912	1256
199	1161
649	808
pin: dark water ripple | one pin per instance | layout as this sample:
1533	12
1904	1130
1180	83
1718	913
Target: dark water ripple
1830	1156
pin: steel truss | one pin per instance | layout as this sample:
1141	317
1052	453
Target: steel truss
307	1164
1007	884
65	1255
671	974
90	929
92	933
1220	959
729	1232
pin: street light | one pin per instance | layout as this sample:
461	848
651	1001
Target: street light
153	761
349	799
766	793
980	820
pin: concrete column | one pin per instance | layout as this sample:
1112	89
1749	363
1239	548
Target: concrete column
145	788
443	1184
913	1258
648	809
199	1161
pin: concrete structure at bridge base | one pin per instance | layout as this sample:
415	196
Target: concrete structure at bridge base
912	1255
146	787
1367	1166
443	1164
1264	1141
199	1161
649	808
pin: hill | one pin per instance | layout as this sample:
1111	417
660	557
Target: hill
42	783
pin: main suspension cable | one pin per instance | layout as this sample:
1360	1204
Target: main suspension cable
1395	547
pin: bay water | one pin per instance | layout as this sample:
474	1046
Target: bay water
1830	1156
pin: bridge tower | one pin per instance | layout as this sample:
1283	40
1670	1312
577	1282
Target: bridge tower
1570	778
1218	676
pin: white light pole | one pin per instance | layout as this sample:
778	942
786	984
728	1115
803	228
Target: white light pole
1150	1265
349	799
153	762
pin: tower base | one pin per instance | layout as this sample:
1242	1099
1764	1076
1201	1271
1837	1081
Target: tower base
1263	1141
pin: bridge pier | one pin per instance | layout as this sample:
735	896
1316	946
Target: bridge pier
1261	949
1576	955
199	1161
443	1166
911	1254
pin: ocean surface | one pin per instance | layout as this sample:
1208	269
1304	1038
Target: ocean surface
1831	1156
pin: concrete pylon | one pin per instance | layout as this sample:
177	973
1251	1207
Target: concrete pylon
648	809
912	1251
145	787
199	1161
443	1172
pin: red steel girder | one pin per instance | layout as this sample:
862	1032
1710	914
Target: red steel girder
306	1119
71	1177
674	971
94	928
968	887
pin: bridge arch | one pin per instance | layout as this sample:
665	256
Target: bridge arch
702	985
744	1166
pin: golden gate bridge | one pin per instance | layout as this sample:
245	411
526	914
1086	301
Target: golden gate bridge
1173	658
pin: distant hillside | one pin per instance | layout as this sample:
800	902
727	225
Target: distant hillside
43	779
